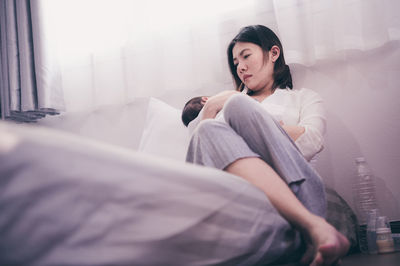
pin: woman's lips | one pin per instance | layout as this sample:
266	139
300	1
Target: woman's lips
246	77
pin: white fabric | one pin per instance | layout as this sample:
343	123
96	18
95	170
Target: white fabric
302	107
118	124
164	133
47	66
68	200
112	54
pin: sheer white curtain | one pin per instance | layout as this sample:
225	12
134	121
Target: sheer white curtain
111	51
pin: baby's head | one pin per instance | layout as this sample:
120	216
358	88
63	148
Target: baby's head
192	109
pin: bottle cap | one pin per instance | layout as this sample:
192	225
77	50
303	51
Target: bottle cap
382	222
383	230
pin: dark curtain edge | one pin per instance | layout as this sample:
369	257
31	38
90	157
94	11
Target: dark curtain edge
6	113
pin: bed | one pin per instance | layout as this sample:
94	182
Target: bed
88	189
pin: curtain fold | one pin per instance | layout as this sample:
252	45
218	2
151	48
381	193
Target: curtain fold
24	95
318	30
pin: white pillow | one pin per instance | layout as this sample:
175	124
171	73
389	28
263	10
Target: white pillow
164	133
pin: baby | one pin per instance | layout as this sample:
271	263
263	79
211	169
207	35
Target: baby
192	109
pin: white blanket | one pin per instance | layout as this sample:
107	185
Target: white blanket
67	200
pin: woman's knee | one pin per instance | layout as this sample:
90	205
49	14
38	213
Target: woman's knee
243	109
206	127
236	103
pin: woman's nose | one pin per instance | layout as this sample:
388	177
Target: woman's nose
242	67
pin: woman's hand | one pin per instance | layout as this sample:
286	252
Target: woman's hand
215	103
294	132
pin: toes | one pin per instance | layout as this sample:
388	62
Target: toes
318	260
330	254
308	255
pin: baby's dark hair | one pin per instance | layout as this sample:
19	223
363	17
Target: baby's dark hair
191	110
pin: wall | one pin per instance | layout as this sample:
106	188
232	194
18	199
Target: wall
362	94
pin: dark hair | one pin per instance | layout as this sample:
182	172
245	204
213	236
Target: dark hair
191	110
265	38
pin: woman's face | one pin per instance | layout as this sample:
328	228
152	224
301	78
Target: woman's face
254	67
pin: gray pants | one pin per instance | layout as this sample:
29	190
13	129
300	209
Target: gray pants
249	131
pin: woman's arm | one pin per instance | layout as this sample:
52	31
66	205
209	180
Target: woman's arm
312	118
211	108
294	132
215	103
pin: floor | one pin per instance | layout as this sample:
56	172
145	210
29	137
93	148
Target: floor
390	259
360	259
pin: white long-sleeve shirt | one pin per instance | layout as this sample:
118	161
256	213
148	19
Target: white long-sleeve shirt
299	107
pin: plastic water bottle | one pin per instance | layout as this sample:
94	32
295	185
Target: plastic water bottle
365	200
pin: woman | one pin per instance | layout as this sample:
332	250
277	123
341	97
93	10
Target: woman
270	152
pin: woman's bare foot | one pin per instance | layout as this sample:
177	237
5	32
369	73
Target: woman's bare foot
327	245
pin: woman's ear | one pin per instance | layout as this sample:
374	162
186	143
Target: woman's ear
274	53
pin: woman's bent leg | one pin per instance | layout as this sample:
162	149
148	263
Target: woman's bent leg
281	165
326	245
215	144
265	137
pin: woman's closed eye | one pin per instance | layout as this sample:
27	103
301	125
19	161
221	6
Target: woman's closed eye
244	57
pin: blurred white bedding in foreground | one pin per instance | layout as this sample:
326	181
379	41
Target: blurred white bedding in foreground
69	200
